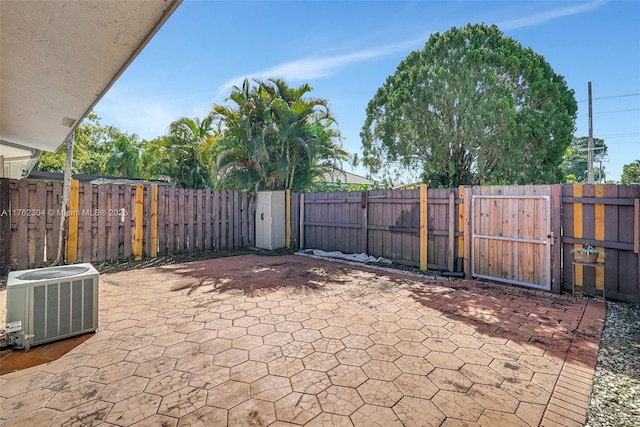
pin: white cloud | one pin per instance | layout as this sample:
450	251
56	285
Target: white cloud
542	17
317	67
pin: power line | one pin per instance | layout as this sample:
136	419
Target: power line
613	111
611	97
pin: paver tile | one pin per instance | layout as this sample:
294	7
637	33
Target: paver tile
512	369
481	374
156	420
414	365
372	415
340	400
416	386
155	367
297	408
311	382
285	366
213	347
194	362
210	377
270	388
328	345
530	413
351	356
444	360
526	391
457	405
381	370
252	412
206	416
348	376
383	352
493	397
182	402
81	374
327	419
166	383
32	400
414	412
41	417
447	379
231	357
131	410
116	391
320	361
497	418
228	394
248	371
377	392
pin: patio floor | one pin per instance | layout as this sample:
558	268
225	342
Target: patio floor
291	340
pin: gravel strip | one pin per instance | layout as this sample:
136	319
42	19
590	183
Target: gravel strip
615	398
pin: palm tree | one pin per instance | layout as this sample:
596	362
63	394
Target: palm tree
185	151
124	158
275	138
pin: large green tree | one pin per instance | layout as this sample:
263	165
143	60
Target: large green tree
89	151
576	159
273	137
631	173
472	107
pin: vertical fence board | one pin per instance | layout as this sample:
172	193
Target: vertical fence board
5	226
40	223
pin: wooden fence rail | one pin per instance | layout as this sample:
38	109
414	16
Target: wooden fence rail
112	222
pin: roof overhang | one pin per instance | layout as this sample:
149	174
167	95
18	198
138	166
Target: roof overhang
57	60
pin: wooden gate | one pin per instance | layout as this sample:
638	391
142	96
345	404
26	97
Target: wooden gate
511	235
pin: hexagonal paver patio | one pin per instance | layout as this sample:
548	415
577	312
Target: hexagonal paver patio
292	340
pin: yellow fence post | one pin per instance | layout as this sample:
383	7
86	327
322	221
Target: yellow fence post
287	204
139	220
423	226
72	236
577	232
154	221
599	234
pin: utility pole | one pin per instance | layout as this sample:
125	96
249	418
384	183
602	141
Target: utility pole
590	149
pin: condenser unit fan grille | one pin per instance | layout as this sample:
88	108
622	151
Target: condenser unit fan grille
53	273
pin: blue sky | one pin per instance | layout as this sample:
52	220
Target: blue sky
346	49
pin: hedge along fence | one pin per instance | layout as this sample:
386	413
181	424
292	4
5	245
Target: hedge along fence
116	222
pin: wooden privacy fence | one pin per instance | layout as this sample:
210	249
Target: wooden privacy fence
117	222
515	234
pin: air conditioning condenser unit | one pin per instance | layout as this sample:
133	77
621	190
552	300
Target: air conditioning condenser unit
48	304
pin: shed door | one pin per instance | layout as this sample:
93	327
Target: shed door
510	235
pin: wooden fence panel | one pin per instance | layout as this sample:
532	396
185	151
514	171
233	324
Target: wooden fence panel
606	217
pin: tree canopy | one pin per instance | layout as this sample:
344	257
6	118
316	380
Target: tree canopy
631	173
273	137
472	107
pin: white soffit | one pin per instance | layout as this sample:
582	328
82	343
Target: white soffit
58	58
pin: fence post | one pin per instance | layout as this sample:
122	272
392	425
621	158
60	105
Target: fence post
138	231
423	226
636	227
577	231
72	241
301	237
556	238
5	227
464	224
599	233
287	220
365	220
154	221
452	231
